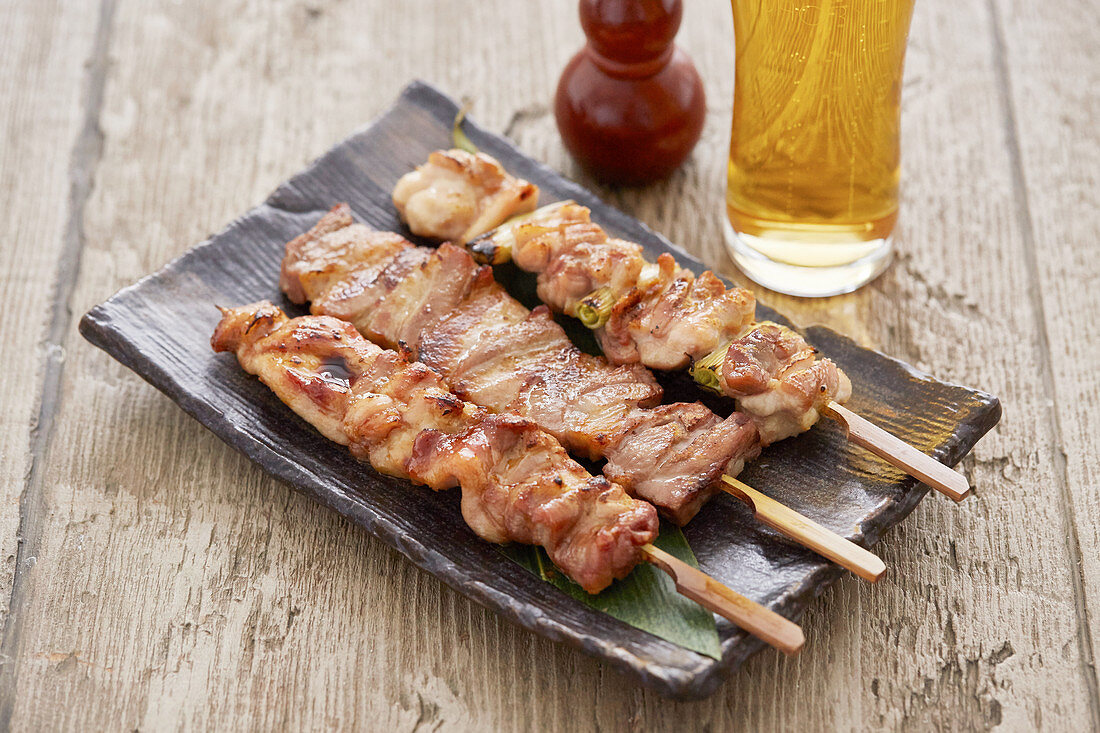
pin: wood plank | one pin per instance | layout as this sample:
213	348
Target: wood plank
43	48
178	592
1051	75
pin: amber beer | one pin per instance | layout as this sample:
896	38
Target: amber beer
812	193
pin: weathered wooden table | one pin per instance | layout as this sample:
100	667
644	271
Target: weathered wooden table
153	578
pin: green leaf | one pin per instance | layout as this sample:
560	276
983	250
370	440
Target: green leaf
458	136
646	599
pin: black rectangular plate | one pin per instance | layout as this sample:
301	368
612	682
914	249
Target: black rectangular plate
161	326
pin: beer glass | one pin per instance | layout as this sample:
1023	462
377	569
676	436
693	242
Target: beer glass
812	194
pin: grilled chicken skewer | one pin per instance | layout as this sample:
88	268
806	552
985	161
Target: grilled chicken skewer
665	317
661	315
442	309
518	484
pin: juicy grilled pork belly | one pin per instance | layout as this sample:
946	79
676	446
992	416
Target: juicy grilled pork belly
661	315
518	483
458	195
444	310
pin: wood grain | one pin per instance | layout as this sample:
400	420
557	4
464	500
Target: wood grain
46	158
175	586
1051	110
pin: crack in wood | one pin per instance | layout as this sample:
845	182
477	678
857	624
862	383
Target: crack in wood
937	292
1035	293
86	154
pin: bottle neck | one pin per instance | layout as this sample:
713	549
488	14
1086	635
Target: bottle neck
632	70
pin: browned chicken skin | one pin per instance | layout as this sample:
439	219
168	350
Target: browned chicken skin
776	376
518	484
447	312
458	195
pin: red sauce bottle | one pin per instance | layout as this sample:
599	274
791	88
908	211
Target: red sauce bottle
630	104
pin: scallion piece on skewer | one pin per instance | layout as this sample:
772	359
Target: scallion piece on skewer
458	136
707	371
493	248
595	308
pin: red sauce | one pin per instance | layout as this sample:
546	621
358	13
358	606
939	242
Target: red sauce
630	104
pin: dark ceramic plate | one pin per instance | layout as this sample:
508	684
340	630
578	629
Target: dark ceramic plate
161	329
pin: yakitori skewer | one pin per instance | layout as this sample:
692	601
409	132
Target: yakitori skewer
761	622
663	316
807	532
442	309
898	453
518	484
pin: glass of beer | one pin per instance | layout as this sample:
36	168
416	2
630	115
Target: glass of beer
812	194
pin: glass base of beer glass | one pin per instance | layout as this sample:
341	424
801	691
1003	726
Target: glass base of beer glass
859	263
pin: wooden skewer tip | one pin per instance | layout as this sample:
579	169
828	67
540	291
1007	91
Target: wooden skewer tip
761	622
898	453
807	532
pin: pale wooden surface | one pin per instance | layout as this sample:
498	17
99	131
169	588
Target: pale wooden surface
151	578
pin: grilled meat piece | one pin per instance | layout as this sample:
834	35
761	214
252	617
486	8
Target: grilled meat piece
518	484
667	323
441	308
458	195
777	378
760	355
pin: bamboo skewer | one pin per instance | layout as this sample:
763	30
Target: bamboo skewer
860	431
898	453
763	623
807	532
